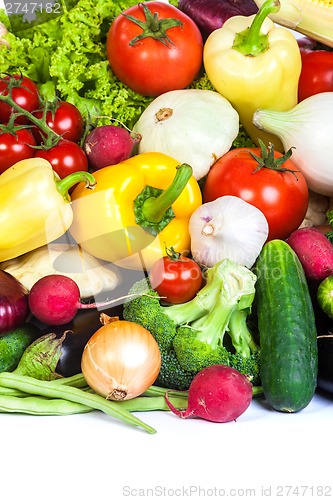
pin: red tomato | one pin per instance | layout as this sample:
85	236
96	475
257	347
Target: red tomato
65	120
15	147
24	93
281	196
316	74
151	66
66	157
176	280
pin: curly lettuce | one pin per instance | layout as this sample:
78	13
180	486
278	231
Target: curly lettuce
66	57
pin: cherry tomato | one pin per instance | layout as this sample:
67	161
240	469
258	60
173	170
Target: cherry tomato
66	120
66	157
316	74
152	66
15	147
25	93
176	279
282	196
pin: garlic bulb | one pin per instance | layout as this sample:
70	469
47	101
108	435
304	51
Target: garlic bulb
91	275
227	228
308	129
193	126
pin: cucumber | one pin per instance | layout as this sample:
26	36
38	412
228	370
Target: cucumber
14	343
287	329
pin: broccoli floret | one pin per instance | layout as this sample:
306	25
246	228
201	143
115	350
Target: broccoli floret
172	375
147	311
209	329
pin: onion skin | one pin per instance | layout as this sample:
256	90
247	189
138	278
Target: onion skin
14	308
121	360
210	15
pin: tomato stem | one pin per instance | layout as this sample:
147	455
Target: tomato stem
268	160
153	27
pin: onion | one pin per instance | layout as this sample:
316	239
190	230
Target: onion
194	126
227	227
121	360
210	15
308	129
14	308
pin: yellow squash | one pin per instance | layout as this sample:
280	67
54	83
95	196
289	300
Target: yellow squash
138	208
254	64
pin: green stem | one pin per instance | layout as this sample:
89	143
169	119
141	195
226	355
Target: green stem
63	185
153	209
51	137
153	27
251	42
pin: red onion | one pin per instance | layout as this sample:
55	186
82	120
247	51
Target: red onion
211	14
14	308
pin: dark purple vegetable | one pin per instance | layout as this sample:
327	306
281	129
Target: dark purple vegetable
108	145
210	15
14	308
325	362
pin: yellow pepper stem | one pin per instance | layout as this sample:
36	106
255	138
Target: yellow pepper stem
153	207
251	42
63	185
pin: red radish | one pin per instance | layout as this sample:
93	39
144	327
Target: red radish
108	145
55	299
314	251
217	393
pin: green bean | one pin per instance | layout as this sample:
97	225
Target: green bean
52	389
6	391
155	390
142	403
77	380
37	405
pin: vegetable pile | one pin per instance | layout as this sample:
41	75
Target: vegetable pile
190	178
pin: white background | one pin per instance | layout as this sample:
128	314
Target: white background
92	456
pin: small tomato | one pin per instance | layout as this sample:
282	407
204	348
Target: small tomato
176	278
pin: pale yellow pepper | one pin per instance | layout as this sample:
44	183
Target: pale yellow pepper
254	64
35	207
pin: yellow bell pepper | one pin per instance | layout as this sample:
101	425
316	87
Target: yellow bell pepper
254	64
35	207
139	207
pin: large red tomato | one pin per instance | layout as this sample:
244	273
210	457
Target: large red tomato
155	50
281	195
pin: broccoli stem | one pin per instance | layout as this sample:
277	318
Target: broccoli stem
212	327
240	334
199	306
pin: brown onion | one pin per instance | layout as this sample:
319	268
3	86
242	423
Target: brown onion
121	360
